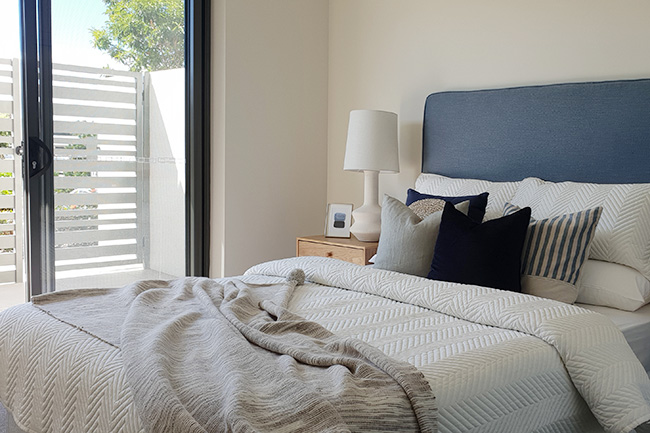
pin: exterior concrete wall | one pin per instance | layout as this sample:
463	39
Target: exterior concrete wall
167	171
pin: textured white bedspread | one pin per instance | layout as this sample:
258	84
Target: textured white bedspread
588	346
57	378
635	326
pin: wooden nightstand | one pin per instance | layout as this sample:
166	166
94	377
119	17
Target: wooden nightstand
350	250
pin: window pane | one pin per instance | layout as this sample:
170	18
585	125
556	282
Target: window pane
119	141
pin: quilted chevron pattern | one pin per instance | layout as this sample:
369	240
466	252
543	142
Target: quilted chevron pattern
500	192
58	379
486	378
476	385
623	232
595	354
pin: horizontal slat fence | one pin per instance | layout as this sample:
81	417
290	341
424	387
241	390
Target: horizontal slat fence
98	184
11	266
98	197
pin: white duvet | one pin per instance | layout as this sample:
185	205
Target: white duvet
496	361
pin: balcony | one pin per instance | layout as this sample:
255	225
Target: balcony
119	179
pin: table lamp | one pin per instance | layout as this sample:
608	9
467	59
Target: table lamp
371	147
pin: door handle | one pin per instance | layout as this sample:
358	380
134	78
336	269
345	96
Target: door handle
40	157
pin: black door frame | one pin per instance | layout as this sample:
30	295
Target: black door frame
197	136
36	47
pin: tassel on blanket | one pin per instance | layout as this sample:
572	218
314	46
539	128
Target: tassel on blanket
297	276
282	296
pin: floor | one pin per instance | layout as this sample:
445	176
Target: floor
10	295
9	427
3	419
113	279
14	294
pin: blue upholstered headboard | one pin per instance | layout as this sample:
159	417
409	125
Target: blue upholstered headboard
585	132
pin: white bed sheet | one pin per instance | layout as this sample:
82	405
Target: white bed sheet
635	326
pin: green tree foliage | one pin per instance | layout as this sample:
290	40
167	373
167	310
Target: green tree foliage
143	34
5	133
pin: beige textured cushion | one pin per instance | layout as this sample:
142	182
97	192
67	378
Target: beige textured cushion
499	192
425	207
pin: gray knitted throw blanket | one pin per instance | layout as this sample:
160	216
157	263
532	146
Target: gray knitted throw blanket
206	355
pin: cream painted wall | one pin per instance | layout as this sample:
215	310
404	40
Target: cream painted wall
269	112
286	74
390	54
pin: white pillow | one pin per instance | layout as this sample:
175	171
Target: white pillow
623	233
612	285
499	192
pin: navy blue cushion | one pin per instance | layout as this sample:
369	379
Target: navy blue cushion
477	203
487	254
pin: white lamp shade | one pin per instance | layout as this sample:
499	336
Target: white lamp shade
372	141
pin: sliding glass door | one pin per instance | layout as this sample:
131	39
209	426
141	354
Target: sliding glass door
12	288
36	113
111	132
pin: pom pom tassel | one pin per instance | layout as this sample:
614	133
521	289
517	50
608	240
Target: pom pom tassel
296	276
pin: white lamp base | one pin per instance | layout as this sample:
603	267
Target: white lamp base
367	218
367	223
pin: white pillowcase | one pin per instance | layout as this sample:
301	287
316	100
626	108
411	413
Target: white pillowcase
499	192
623	233
612	285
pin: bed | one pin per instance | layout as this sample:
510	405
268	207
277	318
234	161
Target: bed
494	360
635	327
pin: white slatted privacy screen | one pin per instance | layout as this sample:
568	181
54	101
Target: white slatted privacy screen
101	175
98	180
11	204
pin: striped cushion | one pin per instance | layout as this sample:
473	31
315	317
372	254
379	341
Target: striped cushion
623	233
554	251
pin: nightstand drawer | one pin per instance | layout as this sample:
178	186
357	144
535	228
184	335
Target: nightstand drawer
349	250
